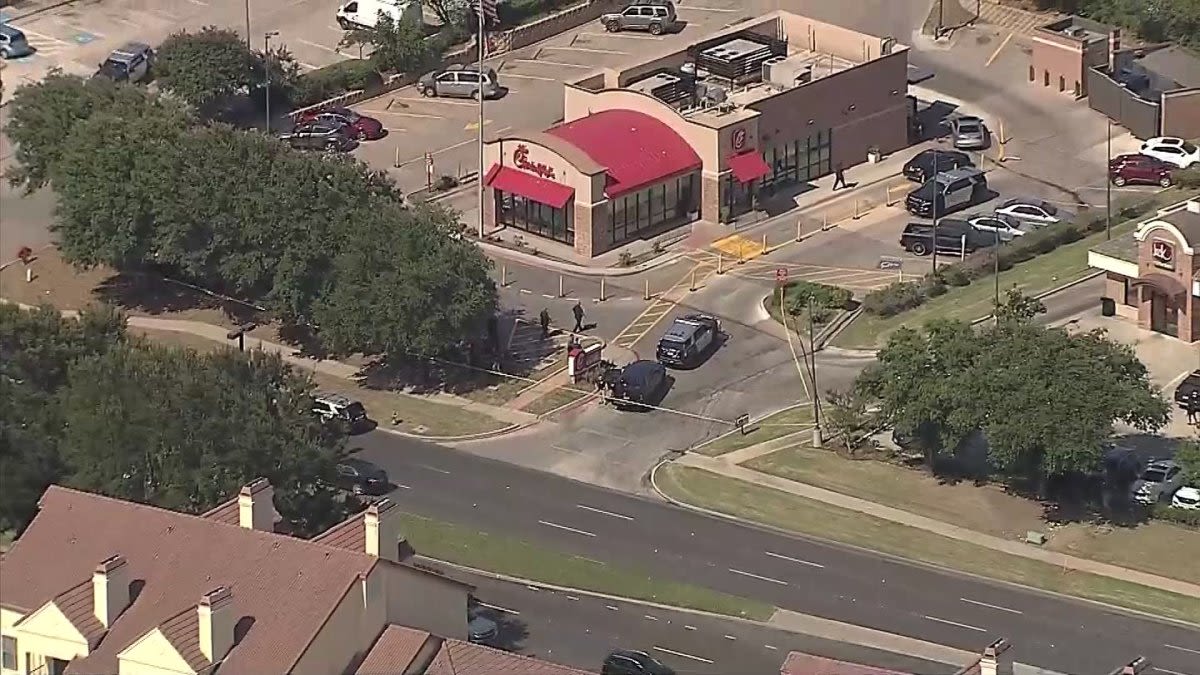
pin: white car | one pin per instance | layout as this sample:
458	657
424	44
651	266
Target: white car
1030	211
1008	228
1174	151
1187	498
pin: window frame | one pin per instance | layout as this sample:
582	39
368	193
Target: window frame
8	653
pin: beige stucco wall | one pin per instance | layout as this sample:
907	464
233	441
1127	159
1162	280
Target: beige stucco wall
8	617
353	625
429	603
500	151
46	633
152	654
827	38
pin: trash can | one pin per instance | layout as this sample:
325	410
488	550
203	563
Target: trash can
1108	307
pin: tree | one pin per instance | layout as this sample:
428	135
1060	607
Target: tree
397	46
403	285
848	418
451	12
215	422
1188	456
1018	308
207	66
42	116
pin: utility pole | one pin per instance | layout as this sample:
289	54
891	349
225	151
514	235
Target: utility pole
248	24
812	365
1108	186
479	177
936	194
267	73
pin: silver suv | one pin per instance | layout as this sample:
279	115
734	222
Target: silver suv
1158	482
459	81
655	16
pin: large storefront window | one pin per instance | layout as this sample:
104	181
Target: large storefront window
799	161
646	210
513	210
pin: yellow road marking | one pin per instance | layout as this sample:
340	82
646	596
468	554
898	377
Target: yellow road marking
739	247
661	306
1003	44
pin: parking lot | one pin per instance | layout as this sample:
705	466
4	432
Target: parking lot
533	75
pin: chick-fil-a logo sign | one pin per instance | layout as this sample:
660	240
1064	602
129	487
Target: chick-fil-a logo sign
521	159
1163	253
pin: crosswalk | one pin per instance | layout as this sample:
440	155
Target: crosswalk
855	279
662	305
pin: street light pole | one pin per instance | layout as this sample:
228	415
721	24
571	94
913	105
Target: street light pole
1108	186
248	24
935	210
812	365
267	73
996	276
479	177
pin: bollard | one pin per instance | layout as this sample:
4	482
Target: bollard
764	243
560	287
799	230
396	163
693	287
719	269
602	289
856	214
28	275
503	276
646	293
825	221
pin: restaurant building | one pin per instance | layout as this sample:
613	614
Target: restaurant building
1153	274
700	133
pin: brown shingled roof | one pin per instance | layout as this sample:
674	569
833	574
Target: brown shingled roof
799	663
350	534
464	658
230	513
393	652
77	604
288	586
183	632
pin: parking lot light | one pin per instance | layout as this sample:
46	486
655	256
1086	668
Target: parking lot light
267	73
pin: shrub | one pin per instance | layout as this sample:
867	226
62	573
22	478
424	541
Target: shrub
1188	178
895	298
955	275
445	182
1177	516
325	83
798	293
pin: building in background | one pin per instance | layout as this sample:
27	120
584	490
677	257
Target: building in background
701	133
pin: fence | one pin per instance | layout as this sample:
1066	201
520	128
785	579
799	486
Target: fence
1108	97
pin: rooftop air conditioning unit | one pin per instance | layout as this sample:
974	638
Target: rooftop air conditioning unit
714	95
769	73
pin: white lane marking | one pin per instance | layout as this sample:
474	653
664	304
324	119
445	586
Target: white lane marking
685	655
402	486
583	49
547	295
319	46
551	63
535	589
612	607
689	628
531	77
1182	649
651	618
1168	672
795	560
564	527
989	606
707	9
955	623
525	291
432	99
199	2
591	560
471	141
498	608
572	597
758	576
603	512
771	647
47	37
619	35
730	637
434	468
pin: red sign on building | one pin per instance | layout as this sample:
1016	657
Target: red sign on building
1163	253
739	139
521	160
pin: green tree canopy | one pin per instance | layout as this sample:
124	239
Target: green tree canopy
206	66
1045	400
396	46
1188	456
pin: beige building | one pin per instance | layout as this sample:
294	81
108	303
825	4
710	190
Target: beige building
701	132
99	586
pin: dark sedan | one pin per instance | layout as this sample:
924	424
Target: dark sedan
927	163
326	136
361	127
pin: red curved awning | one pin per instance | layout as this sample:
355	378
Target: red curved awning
529	186
748	166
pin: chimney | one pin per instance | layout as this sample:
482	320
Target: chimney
994	662
110	589
382	523
215	613
256	506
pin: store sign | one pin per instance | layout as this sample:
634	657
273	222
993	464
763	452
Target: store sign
521	160
1163	254
739	139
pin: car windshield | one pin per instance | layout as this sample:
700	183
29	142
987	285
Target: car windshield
355	410
671	342
1189	148
347	113
969	127
1154	475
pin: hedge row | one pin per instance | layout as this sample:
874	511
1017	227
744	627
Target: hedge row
903	296
825	299
1177	516
333	80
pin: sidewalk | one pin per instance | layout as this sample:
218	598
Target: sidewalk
724	467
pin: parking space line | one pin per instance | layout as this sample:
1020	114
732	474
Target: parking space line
433	99
421	157
620	35
401	114
551	63
532	77
722	10
46	37
584	49
318	46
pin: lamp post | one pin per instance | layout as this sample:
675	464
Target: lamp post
247	24
479	176
996	277
267	73
1108	185
936	189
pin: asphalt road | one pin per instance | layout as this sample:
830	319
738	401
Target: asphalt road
580	630
793	573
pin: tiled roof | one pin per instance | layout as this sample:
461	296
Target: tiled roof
799	663
183	632
636	149
77	604
1124	248
349	534
287	586
1188	223
464	658
230	513
393	652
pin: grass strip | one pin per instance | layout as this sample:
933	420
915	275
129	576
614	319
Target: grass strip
789	512
769	428
506	555
555	399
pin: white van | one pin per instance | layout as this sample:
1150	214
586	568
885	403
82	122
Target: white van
366	13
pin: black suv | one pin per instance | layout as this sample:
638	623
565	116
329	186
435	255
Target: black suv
687	340
362	477
631	662
932	162
953	236
320	135
635	385
947	191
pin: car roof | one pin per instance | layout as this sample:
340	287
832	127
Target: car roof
961	172
1188	491
640	370
335	399
1162	464
1165	140
11	31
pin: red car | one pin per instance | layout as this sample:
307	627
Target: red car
1139	169
361	127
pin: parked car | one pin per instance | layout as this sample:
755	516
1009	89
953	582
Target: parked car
366	13
1187	498
362	477
129	63
349	412
361	127
1158	482
953	236
654	16
929	163
460	81
480	629
636	385
1174	151
946	192
1007	227
1026	210
633	662
13	44
1139	170
328	136
688	339
968	132
1189	387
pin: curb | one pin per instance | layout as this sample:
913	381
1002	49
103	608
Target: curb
1053	291
830	198
728	433
457	439
567	406
909	561
571	268
39	10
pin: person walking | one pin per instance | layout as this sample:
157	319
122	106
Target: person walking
577	310
1193	408
544	319
839	177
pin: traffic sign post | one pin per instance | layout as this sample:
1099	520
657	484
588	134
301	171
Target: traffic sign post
429	170
888	262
